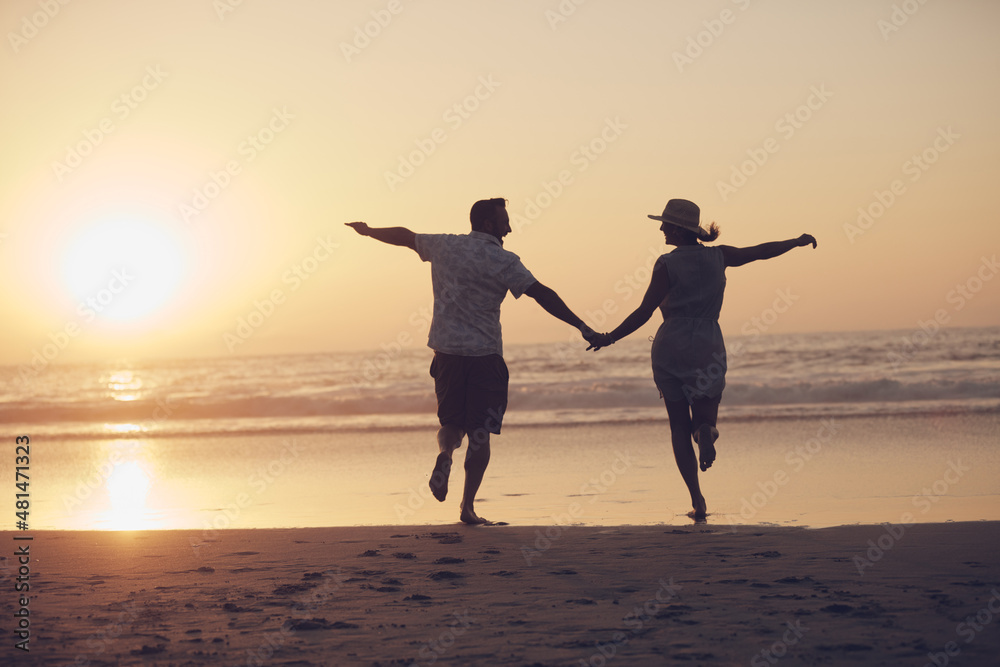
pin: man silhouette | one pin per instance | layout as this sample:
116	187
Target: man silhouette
471	275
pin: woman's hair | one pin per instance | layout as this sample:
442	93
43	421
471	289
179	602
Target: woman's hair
713	231
689	236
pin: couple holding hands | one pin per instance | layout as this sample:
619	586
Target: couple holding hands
471	275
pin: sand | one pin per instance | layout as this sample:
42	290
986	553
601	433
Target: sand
515	595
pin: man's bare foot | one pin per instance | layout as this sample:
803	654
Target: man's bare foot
705	437
439	478
471	518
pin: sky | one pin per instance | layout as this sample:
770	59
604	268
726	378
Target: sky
176	176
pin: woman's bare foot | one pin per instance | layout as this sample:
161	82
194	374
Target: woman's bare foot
705	437
700	511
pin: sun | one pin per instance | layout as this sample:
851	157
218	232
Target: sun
122	270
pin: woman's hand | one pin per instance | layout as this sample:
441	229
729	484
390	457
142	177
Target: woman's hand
600	340
805	240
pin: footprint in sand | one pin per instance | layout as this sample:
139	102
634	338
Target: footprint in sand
449	560
975	583
292	589
869	611
319	624
693	656
371	573
844	647
674	611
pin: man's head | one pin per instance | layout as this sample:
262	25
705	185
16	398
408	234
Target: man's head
490	217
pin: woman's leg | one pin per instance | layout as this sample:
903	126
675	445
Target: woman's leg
680	437
704	415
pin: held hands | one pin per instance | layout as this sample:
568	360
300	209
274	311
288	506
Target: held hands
597	341
593	338
805	240
359	227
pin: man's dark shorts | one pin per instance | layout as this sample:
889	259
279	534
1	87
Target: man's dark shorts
471	391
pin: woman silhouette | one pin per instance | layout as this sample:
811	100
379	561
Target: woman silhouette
689	354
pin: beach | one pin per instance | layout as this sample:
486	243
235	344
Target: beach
273	512
845	540
526	595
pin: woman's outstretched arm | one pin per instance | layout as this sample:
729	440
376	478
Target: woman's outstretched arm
659	285
740	256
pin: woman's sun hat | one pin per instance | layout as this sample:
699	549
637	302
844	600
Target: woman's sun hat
684	214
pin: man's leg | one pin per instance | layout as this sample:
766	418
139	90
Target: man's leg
449	439
477	458
486	404
680	437
449	386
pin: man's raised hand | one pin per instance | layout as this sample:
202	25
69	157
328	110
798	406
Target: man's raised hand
359	227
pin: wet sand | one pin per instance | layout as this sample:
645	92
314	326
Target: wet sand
793	472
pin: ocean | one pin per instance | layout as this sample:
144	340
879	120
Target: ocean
770	376
307	436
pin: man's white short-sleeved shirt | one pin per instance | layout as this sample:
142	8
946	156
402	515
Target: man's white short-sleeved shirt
471	275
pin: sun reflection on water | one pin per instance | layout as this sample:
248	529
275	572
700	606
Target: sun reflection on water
124	385
125	490
128	488
125	429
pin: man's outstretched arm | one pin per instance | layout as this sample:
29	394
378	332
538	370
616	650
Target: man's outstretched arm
555	306
391	235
